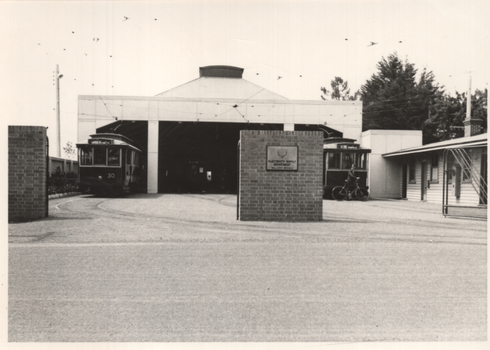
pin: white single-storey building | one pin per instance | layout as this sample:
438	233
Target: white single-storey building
452	173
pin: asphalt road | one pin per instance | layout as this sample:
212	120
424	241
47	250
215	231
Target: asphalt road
169	268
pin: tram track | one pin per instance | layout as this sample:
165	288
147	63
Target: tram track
155	221
99	207
285	230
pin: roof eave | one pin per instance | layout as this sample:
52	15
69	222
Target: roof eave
481	143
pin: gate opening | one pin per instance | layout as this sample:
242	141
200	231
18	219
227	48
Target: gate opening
200	157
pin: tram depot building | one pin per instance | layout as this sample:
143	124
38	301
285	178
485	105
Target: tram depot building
190	135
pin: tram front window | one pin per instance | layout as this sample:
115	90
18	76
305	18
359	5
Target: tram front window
347	161
361	161
334	160
100	156
86	156
113	157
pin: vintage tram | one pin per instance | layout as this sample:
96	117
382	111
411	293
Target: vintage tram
110	164
339	156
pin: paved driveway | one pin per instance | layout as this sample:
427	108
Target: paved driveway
181	268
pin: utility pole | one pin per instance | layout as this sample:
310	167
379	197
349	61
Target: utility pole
468	102
58	77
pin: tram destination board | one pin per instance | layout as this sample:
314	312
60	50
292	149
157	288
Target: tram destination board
100	142
282	158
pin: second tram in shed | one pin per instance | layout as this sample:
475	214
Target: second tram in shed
339	156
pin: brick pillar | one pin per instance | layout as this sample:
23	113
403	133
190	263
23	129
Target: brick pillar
281	176
27	173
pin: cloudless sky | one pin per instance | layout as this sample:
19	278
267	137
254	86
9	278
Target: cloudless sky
163	44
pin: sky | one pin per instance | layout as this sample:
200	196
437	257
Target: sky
144	48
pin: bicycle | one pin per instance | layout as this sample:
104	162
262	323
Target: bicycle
343	193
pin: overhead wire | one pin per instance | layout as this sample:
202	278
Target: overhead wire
413	99
235	106
239	103
107	107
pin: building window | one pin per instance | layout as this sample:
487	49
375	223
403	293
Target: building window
466	167
411	171
450	165
434	172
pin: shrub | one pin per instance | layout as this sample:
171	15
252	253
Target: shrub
59	182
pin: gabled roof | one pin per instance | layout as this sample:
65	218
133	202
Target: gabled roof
471	141
221	82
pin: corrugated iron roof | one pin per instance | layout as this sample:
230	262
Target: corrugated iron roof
472	141
221	82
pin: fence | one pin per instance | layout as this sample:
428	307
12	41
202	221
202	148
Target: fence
65	165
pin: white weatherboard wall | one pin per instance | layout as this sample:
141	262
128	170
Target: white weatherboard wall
469	196
384	173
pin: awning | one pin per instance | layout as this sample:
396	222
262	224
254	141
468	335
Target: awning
428	148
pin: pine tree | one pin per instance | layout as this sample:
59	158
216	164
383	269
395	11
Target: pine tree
394	99
340	91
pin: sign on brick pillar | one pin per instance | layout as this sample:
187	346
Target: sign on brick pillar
280	176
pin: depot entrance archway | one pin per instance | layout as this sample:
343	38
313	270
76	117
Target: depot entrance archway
200	157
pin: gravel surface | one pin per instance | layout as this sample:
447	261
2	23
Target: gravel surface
181	268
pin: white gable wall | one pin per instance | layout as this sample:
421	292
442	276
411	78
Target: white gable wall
214	87
384	174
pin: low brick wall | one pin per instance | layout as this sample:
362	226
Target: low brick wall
28	198
280	195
